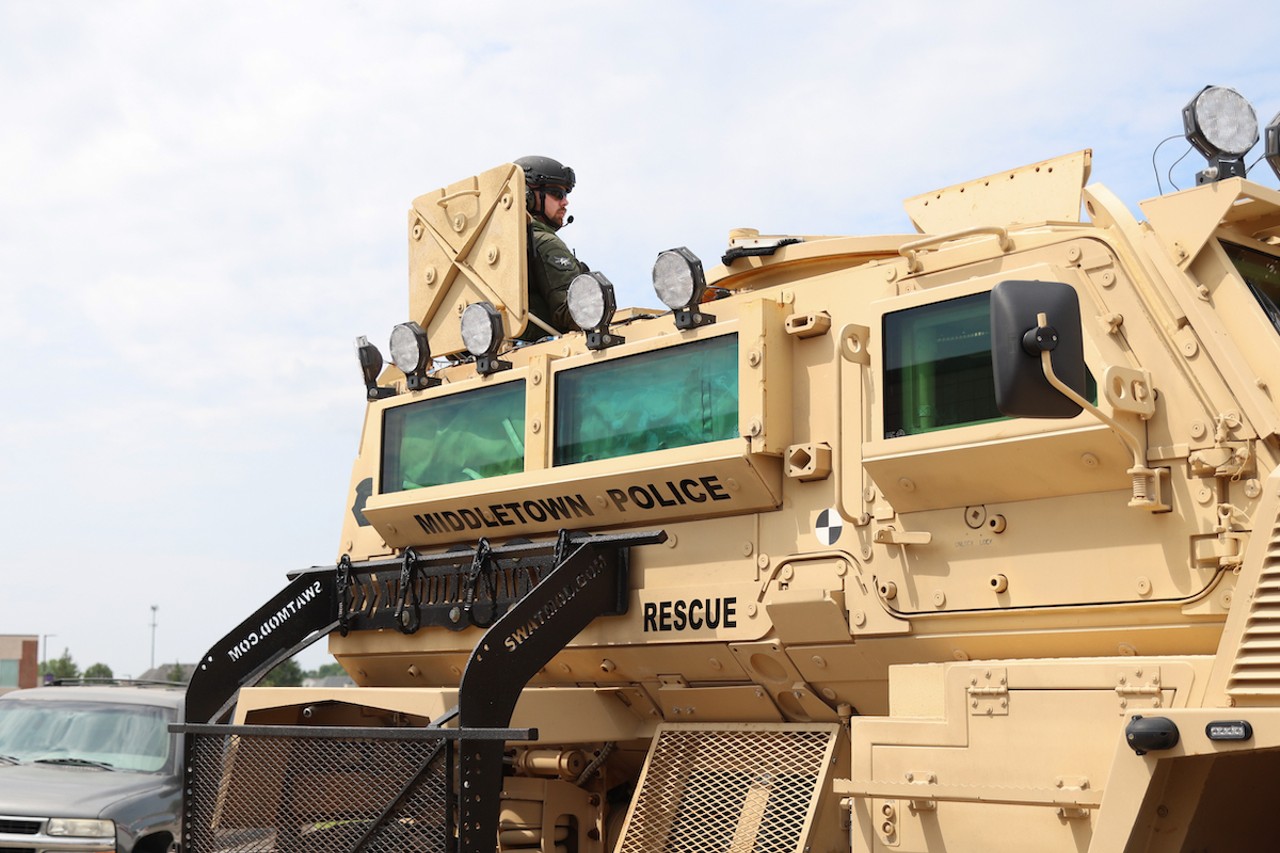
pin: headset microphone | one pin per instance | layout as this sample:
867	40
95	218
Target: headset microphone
569	220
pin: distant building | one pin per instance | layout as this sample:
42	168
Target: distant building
19	666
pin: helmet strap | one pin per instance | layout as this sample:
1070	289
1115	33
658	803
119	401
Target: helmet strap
540	206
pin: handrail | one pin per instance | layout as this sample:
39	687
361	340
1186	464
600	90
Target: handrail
444	200
910	250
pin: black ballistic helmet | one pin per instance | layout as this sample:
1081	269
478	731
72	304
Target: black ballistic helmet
543	171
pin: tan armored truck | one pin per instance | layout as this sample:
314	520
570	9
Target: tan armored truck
959	540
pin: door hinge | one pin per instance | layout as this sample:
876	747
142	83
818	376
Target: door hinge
989	693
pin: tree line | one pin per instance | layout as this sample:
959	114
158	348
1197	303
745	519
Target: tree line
288	674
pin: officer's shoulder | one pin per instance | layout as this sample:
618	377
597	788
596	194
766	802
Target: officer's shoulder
545	238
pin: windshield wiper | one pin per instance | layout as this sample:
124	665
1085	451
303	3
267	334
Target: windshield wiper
76	762
10	759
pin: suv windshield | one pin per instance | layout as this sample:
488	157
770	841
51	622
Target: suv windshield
123	736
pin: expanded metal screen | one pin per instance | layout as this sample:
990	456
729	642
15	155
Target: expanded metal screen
742	791
375	790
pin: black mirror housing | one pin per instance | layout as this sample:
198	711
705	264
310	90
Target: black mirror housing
1021	387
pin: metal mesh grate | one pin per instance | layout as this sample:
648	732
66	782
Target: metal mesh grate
274	794
742	791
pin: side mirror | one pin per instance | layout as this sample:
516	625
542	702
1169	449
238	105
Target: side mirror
1017	340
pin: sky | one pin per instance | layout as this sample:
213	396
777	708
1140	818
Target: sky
202	205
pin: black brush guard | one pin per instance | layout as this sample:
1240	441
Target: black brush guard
276	788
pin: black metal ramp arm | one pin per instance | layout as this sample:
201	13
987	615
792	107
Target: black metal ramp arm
298	615
532	598
589	579
455	590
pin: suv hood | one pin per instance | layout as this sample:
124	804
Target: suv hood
46	791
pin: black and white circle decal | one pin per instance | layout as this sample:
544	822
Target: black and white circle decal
829	526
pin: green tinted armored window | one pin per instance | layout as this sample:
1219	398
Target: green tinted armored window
467	436
1261	272
938	367
652	401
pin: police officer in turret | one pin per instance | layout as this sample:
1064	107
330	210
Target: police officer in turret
552	265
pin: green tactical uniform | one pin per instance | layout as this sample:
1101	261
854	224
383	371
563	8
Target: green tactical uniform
551	267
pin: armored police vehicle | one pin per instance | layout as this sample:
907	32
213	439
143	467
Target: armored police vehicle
966	540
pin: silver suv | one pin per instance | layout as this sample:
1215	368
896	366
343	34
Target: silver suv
90	768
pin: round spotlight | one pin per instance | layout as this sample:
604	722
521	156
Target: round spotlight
409	350
481	329
370	368
482	336
1220	123
678	278
370	358
591	301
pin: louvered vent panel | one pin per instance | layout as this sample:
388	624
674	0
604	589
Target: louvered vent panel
733	791
1256	670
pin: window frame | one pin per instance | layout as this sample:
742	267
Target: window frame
558	394
404	401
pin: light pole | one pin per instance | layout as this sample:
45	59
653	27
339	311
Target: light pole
44	661
154	609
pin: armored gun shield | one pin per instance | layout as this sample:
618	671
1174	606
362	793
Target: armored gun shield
468	243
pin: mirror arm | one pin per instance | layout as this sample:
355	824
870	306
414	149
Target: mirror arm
1146	481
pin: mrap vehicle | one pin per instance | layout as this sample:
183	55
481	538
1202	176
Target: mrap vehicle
964	540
